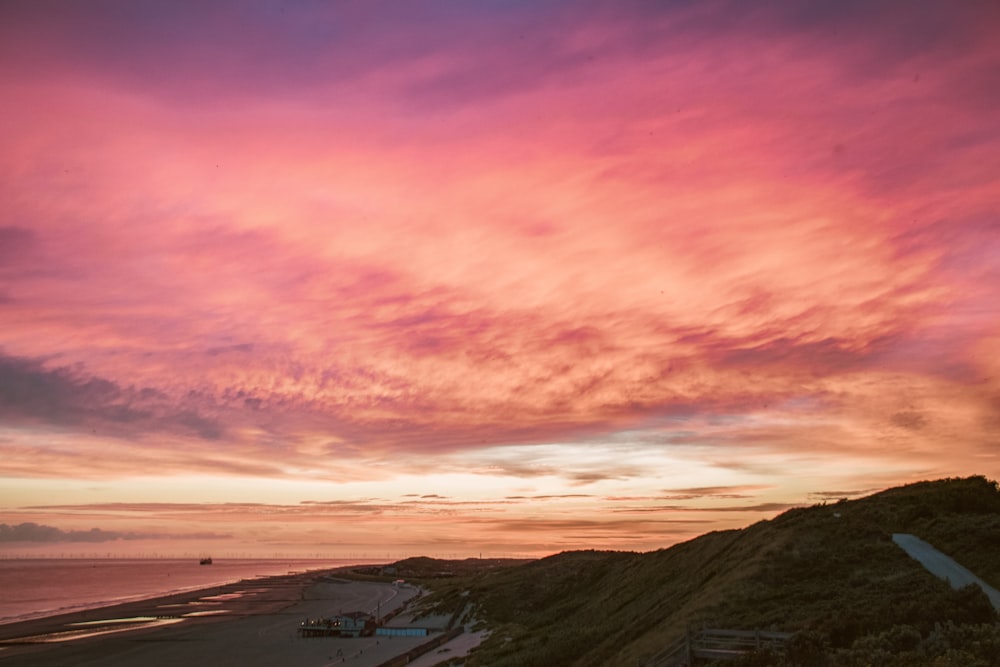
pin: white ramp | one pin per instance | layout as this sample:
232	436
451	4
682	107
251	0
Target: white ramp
943	566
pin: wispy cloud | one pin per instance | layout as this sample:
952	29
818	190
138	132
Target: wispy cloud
33	532
731	492
654	251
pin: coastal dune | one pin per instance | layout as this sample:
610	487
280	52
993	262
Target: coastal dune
247	623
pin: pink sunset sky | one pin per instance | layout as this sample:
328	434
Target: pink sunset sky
451	278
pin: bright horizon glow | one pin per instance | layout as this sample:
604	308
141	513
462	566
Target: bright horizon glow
504	280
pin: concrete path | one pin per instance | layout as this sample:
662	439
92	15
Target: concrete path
943	566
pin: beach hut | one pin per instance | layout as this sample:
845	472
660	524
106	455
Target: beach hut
353	623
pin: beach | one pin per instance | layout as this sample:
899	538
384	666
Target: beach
246	623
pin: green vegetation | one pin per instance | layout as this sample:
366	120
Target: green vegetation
829	573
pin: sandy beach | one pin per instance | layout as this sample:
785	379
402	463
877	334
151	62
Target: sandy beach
248	623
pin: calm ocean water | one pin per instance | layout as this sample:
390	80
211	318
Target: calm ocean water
32	588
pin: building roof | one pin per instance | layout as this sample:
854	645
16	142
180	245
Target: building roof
355	615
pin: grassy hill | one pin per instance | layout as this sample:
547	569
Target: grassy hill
829	573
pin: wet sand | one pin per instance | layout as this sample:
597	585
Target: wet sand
249	623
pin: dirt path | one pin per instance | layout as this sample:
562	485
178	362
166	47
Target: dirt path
456	648
943	566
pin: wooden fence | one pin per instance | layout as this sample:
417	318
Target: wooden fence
715	644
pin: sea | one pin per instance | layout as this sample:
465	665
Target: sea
35	588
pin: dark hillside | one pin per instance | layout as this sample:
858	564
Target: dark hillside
960	517
829	572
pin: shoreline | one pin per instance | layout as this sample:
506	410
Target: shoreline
44	614
246	623
159	605
55	602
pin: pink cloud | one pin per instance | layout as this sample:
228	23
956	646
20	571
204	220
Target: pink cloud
308	246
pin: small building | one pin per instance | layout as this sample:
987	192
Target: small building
351	624
400	632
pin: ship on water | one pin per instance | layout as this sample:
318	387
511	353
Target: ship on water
207	560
